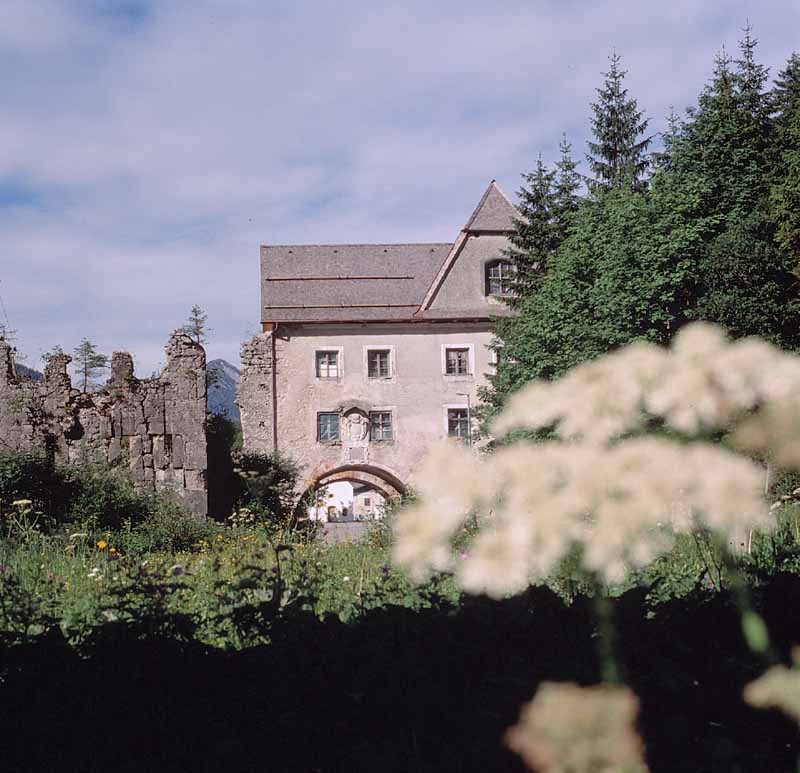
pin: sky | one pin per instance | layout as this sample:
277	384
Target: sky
148	147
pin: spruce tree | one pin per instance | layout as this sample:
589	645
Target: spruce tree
618	157
547	202
532	242
566	197
742	281
785	193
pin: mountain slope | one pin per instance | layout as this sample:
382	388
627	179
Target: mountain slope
24	372
223	379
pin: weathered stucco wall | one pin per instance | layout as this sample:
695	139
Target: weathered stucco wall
156	427
418	393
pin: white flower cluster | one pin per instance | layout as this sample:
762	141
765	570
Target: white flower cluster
572	729
778	688
702	382
622	500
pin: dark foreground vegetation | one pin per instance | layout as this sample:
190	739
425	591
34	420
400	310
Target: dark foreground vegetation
248	645
395	689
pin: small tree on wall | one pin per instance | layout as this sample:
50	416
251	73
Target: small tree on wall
89	363
195	328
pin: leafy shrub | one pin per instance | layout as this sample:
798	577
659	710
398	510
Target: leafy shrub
33	476
268	483
105	498
168	528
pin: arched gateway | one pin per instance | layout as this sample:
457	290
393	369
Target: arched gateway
382	480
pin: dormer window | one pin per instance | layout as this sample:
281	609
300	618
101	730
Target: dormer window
499	278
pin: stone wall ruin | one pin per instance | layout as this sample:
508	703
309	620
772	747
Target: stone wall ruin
155	427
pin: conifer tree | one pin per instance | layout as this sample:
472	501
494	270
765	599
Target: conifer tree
546	203
566	198
618	157
532	242
742	280
89	363
785	193
195	325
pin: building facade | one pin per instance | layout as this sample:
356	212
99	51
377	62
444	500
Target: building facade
372	352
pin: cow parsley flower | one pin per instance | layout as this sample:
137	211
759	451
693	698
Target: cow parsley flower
602	485
572	729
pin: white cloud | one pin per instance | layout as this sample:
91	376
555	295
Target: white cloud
156	149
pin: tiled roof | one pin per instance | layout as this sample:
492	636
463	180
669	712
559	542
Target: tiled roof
493	213
370	282
347	282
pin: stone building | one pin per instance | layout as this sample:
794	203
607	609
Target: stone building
371	352
155	427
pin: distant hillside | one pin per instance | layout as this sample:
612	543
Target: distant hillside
24	372
223	380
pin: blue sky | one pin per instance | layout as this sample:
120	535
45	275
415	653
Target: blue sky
148	148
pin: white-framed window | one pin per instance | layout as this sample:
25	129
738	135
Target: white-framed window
328	363
379	363
457	421
328	427
381	426
458	360
500	278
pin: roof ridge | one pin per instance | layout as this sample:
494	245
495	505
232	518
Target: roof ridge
366	244
478	211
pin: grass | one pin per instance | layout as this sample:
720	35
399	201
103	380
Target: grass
253	647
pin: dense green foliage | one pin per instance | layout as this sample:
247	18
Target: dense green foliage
712	234
101	496
264	483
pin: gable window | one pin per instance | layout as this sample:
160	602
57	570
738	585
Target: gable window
327	364
379	363
499	278
380	425
457	362
327	427
458	423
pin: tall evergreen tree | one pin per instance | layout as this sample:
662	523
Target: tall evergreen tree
532	242
785	193
618	156
566	191
742	281
547	202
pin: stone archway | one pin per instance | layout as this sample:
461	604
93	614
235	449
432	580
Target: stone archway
383	481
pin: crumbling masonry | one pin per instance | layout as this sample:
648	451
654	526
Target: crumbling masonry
155	427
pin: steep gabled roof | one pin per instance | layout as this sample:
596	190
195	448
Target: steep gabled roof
346	282
494	212
370	282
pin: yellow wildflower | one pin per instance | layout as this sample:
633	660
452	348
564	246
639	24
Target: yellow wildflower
102	544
